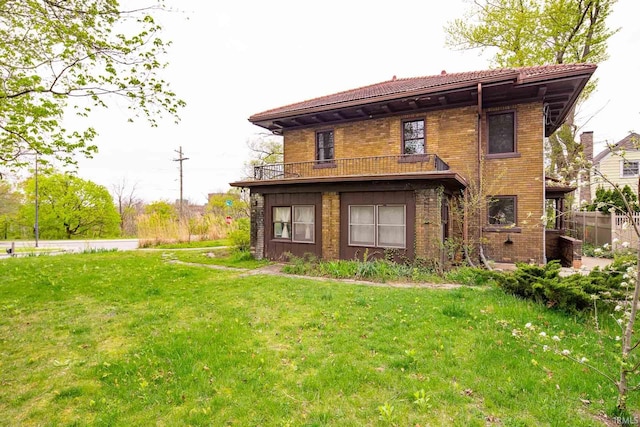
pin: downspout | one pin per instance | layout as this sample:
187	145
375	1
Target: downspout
480	188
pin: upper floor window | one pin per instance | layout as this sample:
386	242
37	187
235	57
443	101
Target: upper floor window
324	145
630	168
413	137
502	210
502	134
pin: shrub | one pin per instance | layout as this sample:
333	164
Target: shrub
241	238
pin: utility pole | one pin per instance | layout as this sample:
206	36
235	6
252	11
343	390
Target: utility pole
180	159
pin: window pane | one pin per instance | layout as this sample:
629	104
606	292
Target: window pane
324	145
361	215
391	226
630	168
282	214
413	137
362	235
391	215
361	226
304	224
391	236
501	137
502	211
282	222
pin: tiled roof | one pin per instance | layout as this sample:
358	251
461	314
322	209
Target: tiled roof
631	141
429	84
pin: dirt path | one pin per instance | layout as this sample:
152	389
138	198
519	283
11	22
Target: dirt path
276	270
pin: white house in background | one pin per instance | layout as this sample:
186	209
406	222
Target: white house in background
619	170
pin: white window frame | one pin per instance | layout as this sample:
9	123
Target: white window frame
376	227
312	223
622	174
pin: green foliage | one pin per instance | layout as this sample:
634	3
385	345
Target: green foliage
10	201
573	293
54	51
162	210
218	204
70	206
613	199
240	238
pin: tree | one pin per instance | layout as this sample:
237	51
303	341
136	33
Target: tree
265	149
9	206
161	209
55	53
218	204
614	199
70	206
129	206
537	32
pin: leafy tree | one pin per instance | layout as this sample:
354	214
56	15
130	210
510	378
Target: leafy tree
537	32
55	53
265	149
614	198
70	206
161	209
9	206
218	206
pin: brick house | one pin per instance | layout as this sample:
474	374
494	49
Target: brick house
379	169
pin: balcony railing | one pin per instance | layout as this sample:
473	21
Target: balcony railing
381	165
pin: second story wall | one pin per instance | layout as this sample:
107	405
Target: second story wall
613	168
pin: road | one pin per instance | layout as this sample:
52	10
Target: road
74	245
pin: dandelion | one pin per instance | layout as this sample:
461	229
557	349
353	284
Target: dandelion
565	352
618	338
556	338
528	326
583	360
515	332
543	334
545	348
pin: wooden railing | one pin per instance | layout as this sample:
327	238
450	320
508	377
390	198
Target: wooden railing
380	165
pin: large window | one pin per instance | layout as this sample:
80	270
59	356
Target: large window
381	226
324	145
502	135
413	137
502	211
303	230
630	168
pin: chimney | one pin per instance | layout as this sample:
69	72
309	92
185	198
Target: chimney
586	140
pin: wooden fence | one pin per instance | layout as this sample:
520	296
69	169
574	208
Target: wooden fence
598	228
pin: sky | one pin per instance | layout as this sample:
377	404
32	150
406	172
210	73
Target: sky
232	59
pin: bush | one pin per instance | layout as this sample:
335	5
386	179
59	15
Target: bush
241	238
573	293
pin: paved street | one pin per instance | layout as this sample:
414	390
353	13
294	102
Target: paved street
73	245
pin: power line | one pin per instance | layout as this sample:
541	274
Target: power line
180	159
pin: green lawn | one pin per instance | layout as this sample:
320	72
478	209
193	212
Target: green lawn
129	339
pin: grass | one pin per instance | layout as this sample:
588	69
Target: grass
186	245
126	338
222	256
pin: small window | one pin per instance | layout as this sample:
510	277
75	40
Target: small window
324	145
502	210
413	137
380	226
501	133
391	226
282	222
362	226
304	224
630	168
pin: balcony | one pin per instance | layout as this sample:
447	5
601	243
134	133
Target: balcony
360	166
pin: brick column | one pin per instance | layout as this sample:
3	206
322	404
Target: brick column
330	225
428	224
257	225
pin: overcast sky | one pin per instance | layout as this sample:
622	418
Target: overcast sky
232	59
